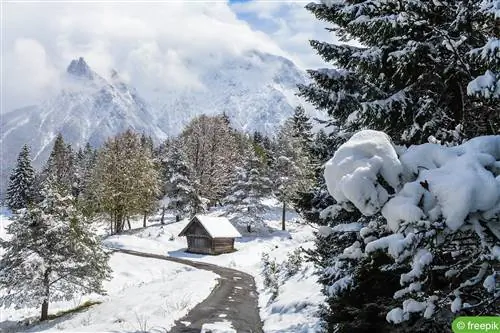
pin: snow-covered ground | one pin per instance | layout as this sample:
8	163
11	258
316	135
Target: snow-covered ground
295	308
143	295
154	293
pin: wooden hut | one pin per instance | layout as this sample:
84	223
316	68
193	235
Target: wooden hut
210	235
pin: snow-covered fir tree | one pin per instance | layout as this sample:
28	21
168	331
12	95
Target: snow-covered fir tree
485	61
250	186
180	189
319	199
20	191
303	139
409	75
60	166
292	171
85	161
51	254
302	127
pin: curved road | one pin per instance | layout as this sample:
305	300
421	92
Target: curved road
234	299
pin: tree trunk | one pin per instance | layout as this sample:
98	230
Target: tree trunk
144	219
283	216
45	304
163	215
128	222
45	311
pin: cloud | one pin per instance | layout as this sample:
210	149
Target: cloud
28	59
155	45
289	25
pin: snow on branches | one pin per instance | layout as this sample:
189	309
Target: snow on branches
436	213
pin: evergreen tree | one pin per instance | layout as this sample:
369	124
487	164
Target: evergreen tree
51	255
302	128
484	118
318	199
292	168
409	77
60	166
84	164
303	138
180	189
250	186
20	191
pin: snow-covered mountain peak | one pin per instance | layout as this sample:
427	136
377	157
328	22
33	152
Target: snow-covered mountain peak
79	68
255	89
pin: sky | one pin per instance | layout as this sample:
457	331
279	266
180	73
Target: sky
153	45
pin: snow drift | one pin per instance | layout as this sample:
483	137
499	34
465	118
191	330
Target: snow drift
355	171
448	183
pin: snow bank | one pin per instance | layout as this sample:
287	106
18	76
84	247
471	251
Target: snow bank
352	174
442	182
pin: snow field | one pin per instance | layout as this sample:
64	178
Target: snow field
294	310
143	295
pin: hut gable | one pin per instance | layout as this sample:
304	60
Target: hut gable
213	226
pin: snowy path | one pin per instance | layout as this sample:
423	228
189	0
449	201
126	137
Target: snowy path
234	299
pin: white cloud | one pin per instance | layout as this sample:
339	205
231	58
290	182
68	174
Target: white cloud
290	25
28	59
153	44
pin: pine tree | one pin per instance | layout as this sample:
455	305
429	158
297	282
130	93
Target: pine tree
51	255
180	189
20	192
60	166
84	163
250	186
302	128
484	118
409	77
292	168
319	199
302	137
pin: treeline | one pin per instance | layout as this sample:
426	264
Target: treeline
208	164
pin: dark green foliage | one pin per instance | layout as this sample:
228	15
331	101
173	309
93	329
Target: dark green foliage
408	79
20	191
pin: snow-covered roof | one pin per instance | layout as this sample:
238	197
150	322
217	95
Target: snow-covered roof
216	226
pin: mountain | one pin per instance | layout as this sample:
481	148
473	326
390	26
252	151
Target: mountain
88	109
256	90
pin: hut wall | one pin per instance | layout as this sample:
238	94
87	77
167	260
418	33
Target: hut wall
222	245
199	244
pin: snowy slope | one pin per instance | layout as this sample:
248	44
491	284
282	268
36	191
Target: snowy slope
255	89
